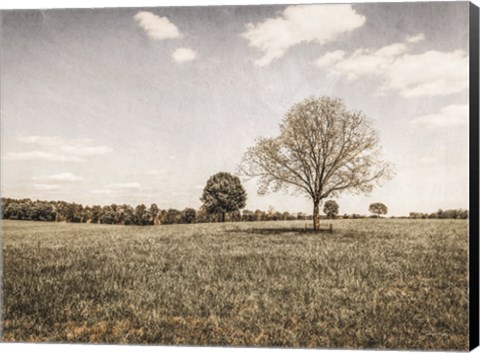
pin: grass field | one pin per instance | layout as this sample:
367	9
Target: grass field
373	283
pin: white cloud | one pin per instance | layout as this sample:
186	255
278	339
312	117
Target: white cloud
127	188
42	140
428	160
418	38
60	177
362	61
129	185
331	58
432	73
47	187
450	116
57	149
41	155
184	54
156	27
303	23
155	172
102	191
85	151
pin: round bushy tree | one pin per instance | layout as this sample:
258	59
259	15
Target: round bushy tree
378	208
188	215
331	209
222	194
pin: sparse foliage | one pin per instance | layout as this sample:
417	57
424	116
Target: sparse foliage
323	149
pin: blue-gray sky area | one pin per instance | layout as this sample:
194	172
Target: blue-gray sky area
142	105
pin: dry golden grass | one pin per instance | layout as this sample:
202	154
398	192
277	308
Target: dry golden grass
375	283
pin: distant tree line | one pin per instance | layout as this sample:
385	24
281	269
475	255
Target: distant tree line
459	213
61	211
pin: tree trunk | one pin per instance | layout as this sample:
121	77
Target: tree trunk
223	217
316	215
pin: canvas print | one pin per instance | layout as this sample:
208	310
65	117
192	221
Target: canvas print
258	176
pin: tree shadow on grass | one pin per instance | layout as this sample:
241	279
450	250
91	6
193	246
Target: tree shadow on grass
273	231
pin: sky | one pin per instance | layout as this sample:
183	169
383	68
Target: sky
142	105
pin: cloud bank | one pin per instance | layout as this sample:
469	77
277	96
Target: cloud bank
449	116
57	149
60	177
432	73
297	24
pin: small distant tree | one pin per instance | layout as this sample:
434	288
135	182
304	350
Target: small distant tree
223	193
42	211
248	216
141	215
440	213
14	211
450	214
259	215
188	215
128	215
172	216
301	216
202	216
378	208
331	208
235	216
108	215
96	213
153	212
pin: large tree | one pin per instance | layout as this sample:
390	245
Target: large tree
323	149
223	194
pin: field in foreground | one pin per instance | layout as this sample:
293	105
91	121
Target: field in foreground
375	283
